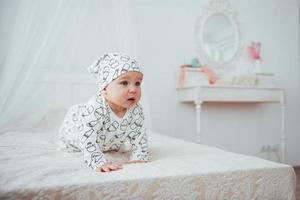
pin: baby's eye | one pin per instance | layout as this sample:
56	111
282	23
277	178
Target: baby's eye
137	83
125	83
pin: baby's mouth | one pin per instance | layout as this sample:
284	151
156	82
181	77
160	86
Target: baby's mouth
131	99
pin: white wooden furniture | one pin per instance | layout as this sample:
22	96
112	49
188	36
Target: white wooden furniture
200	94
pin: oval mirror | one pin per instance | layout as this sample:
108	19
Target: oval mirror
218	35
220	38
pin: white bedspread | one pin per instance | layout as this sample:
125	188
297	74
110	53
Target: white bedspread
32	168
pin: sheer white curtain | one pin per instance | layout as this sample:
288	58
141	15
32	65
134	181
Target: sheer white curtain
45	45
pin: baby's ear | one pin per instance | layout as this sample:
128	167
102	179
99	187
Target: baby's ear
104	92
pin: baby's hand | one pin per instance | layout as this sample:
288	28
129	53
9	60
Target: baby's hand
108	167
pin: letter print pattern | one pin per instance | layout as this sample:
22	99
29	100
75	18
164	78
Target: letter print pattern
92	128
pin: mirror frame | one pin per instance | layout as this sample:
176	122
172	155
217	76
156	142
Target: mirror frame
224	8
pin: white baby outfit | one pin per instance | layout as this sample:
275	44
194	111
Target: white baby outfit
93	128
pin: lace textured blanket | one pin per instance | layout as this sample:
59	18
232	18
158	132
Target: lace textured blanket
32	168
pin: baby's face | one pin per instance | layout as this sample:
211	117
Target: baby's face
125	91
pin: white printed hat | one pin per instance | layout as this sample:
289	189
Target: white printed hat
112	65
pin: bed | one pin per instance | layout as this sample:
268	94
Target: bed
32	168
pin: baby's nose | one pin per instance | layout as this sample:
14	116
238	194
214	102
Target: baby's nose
133	89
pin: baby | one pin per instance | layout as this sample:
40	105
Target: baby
109	118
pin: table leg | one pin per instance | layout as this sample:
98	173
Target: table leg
283	135
198	106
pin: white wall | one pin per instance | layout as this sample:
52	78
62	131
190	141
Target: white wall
166	40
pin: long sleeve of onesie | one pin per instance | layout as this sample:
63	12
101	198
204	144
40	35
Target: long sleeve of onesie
92	118
92	155
80	129
138	137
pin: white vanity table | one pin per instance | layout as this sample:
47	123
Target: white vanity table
218	38
247	94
